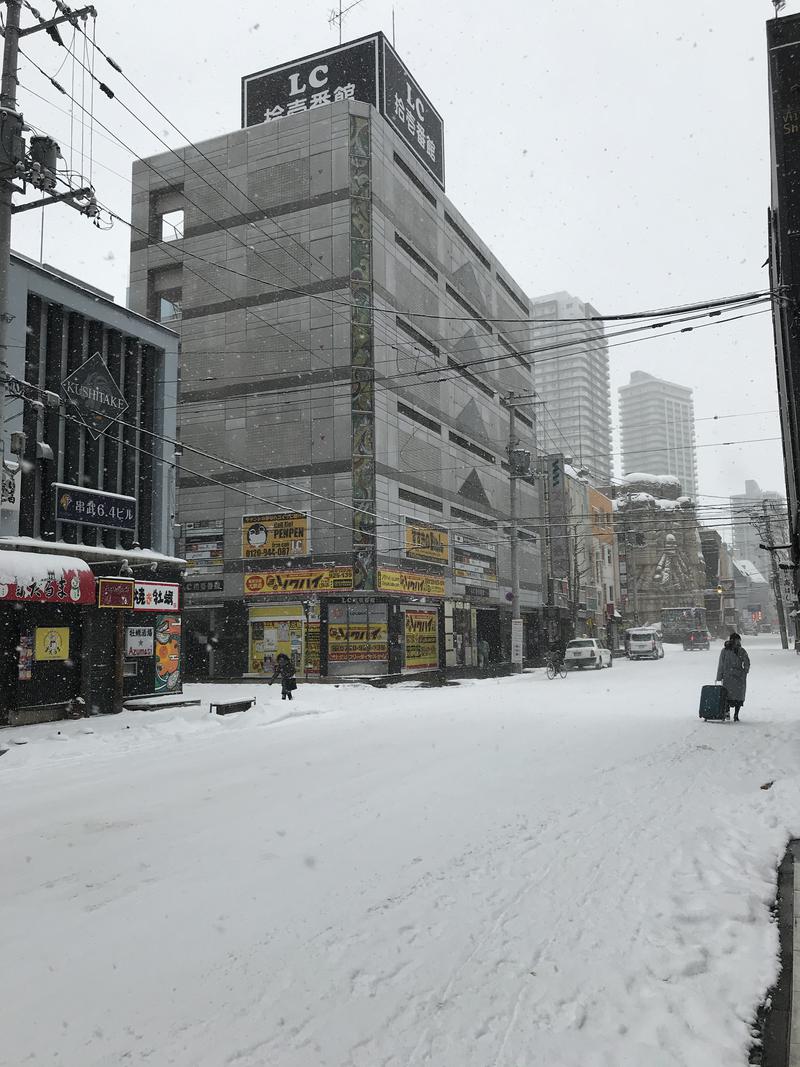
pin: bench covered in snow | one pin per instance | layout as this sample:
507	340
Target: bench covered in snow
227	707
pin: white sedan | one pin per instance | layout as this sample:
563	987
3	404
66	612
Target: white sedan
586	652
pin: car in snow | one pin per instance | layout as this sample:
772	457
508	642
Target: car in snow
696	641
586	652
645	643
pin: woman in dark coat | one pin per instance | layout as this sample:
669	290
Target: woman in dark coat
284	669
734	664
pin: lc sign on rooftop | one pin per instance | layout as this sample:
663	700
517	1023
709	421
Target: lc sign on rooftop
368	70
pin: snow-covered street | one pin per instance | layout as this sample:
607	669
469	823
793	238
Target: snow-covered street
569	873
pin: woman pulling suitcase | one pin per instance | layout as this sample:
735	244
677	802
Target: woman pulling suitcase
732	671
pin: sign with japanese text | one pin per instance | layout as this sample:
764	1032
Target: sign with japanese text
275	536
91	507
55	585
115	592
94	395
412	115
138	642
51	643
422	640
204	585
474	563
391	580
368	70
156	596
427	542
204	546
356	642
349	72
25	658
307	580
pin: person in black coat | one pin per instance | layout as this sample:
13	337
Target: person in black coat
284	669
732	671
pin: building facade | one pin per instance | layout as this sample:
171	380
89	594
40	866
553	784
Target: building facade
657	426
783	52
345	378
88	582
570	358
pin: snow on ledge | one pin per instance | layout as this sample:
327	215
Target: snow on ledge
90	553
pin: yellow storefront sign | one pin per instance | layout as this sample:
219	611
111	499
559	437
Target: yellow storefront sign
358	642
275	535
391	580
308	580
52	643
422	640
426	542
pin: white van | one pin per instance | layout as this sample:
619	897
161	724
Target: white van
645	643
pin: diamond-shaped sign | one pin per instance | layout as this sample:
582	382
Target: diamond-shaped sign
94	395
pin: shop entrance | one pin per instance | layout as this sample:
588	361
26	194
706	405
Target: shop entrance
488	630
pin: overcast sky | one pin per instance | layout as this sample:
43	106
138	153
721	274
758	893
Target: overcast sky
618	150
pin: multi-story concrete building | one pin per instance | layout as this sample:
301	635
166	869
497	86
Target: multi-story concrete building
348	347
572	382
749	512
89	586
657	425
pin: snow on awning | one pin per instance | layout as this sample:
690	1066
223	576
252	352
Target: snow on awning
37	578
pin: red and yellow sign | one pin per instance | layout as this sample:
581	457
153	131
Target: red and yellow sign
422	640
391	580
358	641
308	580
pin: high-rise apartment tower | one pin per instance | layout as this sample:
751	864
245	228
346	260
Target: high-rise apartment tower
572	382
657	424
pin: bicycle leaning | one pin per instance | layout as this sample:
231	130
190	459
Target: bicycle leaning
555	666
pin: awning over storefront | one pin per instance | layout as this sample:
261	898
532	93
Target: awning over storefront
38	578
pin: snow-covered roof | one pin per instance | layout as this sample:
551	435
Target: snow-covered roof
749	570
657	479
92	553
27	567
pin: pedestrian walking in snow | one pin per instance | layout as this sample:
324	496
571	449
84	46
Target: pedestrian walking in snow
483	652
732	670
284	669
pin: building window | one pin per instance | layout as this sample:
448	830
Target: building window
170	305
172	225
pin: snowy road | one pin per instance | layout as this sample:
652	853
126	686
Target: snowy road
518	872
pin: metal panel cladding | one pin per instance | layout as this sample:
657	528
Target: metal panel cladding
348	72
412	115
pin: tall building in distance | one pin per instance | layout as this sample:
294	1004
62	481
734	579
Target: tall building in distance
747	516
657	424
572	382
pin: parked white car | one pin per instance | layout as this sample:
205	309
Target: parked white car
586	652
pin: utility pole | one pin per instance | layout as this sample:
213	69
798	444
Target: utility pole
776	580
10	144
519	464
36	165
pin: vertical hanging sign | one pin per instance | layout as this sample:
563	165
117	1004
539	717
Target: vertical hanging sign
362	369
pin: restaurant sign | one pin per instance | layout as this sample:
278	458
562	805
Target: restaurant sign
33	577
391	580
307	580
156	596
91	507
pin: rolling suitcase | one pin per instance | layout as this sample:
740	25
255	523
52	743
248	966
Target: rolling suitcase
714	703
